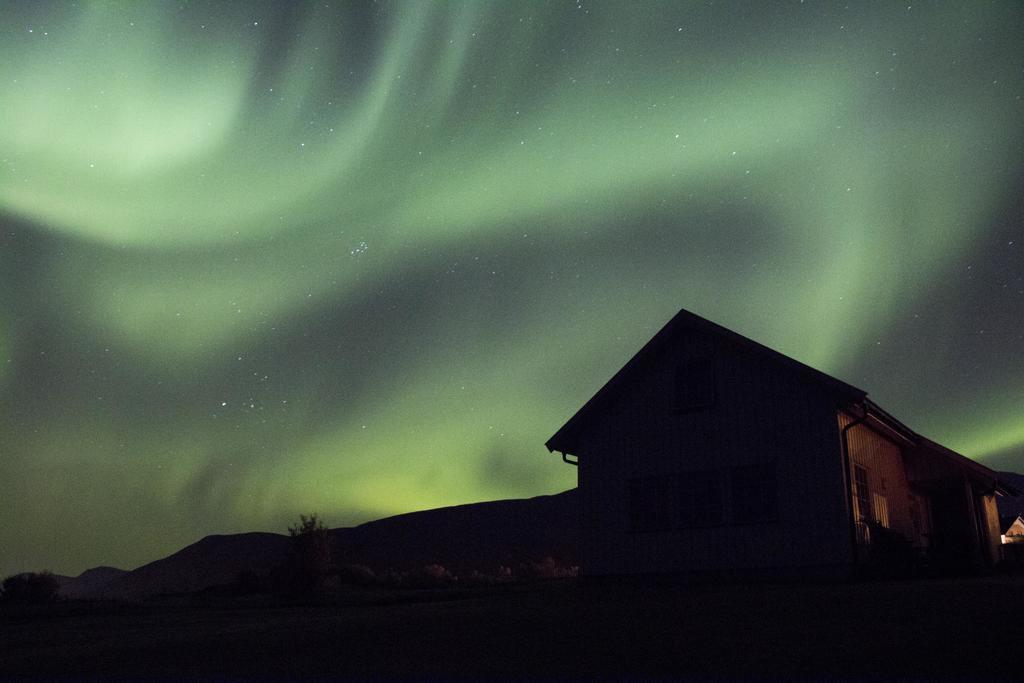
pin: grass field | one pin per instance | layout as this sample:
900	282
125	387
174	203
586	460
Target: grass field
966	629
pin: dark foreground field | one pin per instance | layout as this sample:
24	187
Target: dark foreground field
949	629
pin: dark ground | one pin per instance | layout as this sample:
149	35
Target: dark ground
965	629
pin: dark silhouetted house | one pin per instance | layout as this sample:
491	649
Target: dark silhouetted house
1013	529
708	452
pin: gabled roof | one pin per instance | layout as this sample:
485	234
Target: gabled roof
564	439
876	415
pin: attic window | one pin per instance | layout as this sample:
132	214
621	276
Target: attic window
694	385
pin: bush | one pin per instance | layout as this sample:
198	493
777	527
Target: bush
428	576
891	553
433	574
29	589
547	568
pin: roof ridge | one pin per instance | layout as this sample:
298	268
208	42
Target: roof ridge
558	442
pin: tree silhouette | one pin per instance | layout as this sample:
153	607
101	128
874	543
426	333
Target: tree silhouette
310	557
29	589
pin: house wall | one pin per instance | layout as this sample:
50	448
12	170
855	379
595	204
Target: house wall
887	481
965	527
761	413
992	533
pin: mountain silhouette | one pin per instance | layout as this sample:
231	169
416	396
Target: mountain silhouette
477	536
90	582
481	536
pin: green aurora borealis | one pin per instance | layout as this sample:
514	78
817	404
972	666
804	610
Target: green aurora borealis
358	258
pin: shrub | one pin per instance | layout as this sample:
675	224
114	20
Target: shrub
547	568
428	576
891	553
475	577
435	573
30	589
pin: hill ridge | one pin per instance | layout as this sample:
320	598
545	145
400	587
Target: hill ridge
470	536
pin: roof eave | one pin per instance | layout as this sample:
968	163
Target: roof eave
969	466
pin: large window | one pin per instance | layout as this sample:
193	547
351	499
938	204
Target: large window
700	498
694	385
755	493
695	498
689	499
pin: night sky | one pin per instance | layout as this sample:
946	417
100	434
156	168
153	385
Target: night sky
362	259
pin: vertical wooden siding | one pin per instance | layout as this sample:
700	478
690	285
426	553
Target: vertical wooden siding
887	476
992	533
761	413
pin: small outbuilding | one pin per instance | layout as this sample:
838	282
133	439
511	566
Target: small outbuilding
1013	529
710	453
